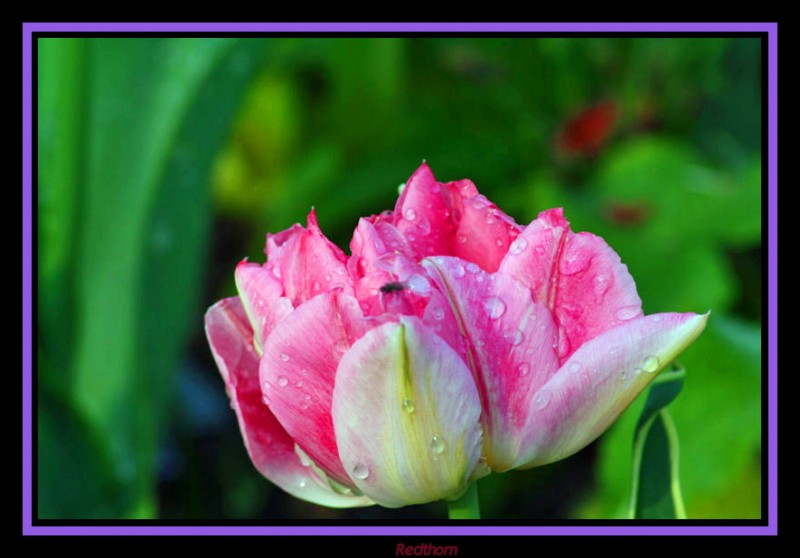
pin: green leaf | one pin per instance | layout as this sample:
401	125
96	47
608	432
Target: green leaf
157	111
656	490
61	80
74	476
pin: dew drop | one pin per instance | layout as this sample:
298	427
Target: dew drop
499	242
424	226
302	484
408	406
316	285
623	376
541	399
472	267
261	303
360	471
494	307
445	213
650	364
437	445
299	383
524	369
518	246
459	271
462	239
328	277
284	357
514	336
627	312
265	399
410	214
573	264
418	284
283	381
304	405
438	313
539	249
656	318
489	218
575	367
600	284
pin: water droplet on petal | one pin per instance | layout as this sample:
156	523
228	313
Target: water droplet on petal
299	383
419	284
627	312
284	357
573	264
623	376
524	369
410	214
539	249
518	246
316	285
438	313
600	284
459	271
360	471
514	336
499	242
328	277
472	267
437	445
445	213
462	239
283	381
424	226
575	367
489	218
302	484
265	399
408	406
656	318
650	364
541	399
494	307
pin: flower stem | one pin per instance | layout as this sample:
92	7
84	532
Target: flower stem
466	507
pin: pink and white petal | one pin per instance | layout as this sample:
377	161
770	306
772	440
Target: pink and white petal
306	262
298	370
578	276
422	215
270	447
407	416
599	381
261	295
509	342
484	233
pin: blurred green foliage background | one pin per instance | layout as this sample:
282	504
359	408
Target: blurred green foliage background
162	162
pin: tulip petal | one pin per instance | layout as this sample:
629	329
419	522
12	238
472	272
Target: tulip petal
270	447
261	295
407	416
306	262
422	215
578	276
298	370
599	381
484	233
445	219
507	340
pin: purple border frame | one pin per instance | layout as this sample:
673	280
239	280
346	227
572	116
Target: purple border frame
772	285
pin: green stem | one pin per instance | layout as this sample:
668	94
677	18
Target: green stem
466	507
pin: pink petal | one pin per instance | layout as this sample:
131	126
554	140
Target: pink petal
445	219
306	262
599	381
423	216
484	233
509	345
407	416
578	276
271	449
298	371
261	295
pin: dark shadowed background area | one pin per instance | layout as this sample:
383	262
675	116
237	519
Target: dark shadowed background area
163	162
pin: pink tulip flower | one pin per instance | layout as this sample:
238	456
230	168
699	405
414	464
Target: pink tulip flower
453	342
